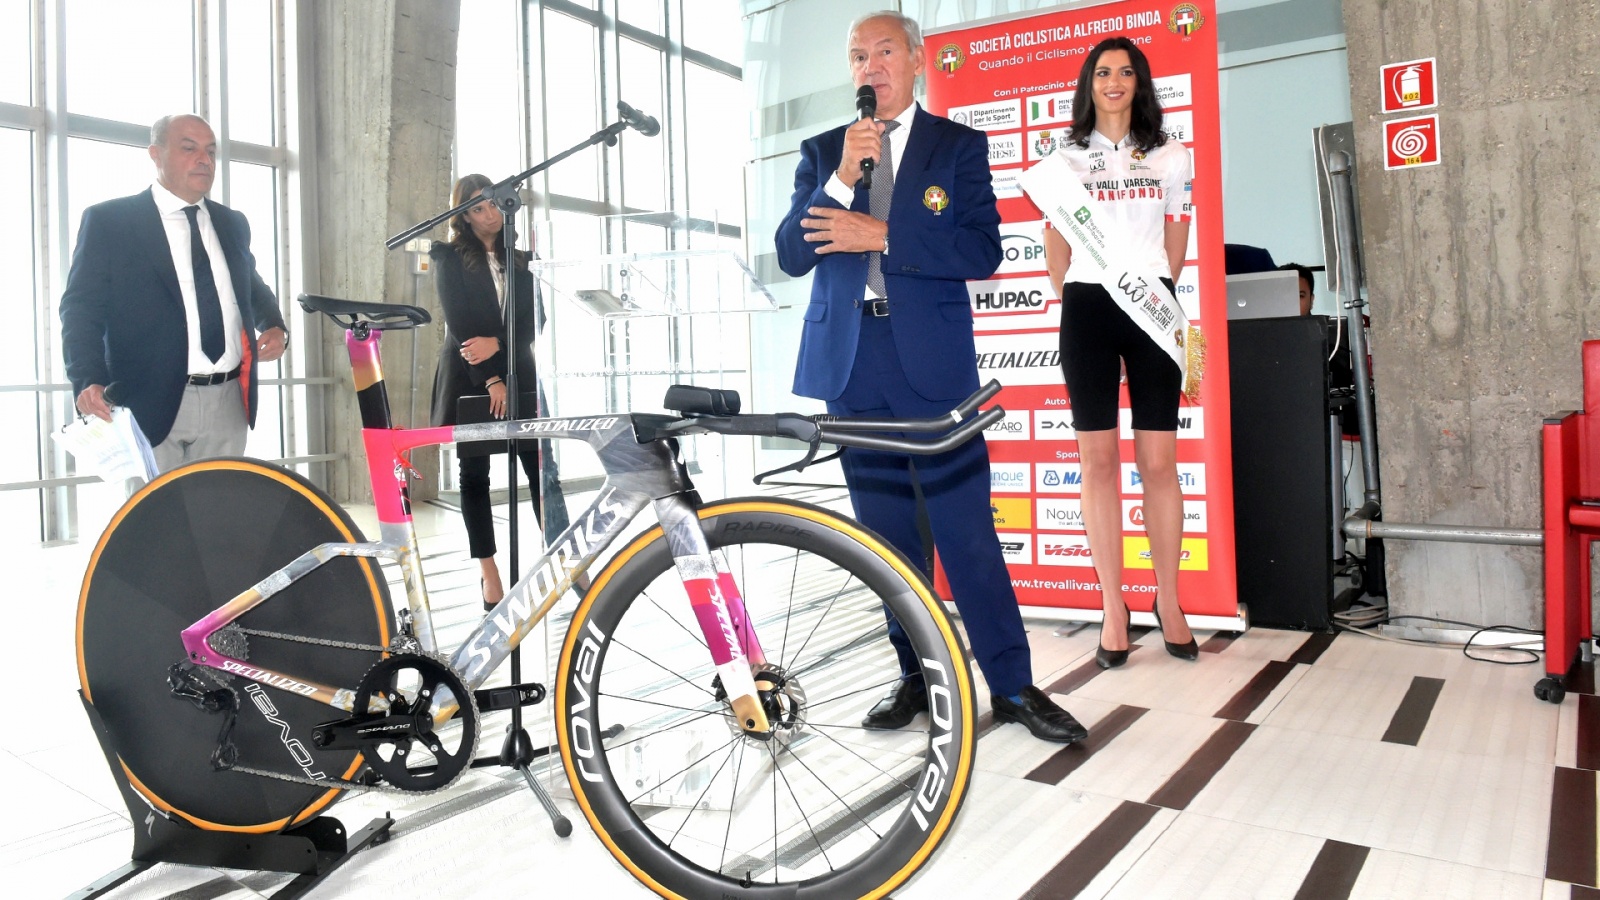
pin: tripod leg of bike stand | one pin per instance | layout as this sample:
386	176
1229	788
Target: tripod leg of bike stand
518	753
311	851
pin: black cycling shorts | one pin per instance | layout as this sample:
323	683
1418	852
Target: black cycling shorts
1096	339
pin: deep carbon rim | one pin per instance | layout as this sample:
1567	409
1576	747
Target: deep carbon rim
692	809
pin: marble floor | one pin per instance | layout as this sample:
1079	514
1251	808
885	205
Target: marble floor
1282	764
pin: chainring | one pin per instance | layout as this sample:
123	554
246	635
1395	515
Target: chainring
414	756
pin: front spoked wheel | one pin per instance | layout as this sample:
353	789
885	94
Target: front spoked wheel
820	807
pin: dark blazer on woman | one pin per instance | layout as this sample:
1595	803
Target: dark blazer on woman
472	309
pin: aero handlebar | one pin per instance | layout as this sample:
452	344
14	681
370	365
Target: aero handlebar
959	426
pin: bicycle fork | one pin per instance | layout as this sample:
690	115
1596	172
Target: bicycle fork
719	608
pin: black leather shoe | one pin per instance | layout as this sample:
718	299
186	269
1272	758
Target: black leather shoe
1189	651
898	707
1040	715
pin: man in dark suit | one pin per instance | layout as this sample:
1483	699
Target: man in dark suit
889	333
163	306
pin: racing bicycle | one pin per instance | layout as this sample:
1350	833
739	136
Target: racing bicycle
236	635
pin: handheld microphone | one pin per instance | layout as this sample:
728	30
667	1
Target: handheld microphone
867	106
638	121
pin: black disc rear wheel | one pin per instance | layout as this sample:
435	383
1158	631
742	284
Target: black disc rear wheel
181	547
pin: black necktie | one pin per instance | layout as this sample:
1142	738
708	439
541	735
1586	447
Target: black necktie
207	304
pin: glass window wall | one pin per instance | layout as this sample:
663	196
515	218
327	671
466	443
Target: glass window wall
126	63
17	362
251	70
715	29
16	52
107	40
582	58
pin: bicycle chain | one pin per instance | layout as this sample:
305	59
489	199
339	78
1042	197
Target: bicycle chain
341	783
402	644
319	782
321	642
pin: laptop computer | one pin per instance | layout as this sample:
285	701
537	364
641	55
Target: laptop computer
1264	295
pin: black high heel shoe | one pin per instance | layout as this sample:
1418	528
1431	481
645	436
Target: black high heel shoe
1108	659
1189	651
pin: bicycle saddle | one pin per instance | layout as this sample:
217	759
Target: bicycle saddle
698	401
384	315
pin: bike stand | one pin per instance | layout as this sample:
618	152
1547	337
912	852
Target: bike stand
311	851
518	752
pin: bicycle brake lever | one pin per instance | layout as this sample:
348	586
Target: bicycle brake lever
800	465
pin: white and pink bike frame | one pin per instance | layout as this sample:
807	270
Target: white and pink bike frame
642	468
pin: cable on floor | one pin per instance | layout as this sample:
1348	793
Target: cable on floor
1365	620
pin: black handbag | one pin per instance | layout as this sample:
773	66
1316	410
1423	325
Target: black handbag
473	409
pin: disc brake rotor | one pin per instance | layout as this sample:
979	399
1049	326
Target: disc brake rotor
782	698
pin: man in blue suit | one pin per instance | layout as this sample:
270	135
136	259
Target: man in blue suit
889	333
163	306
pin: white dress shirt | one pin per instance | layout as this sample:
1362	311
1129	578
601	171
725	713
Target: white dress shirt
176	223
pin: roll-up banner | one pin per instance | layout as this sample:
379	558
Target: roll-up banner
1014	78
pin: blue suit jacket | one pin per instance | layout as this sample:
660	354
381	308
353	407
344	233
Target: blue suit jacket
931	256
122	316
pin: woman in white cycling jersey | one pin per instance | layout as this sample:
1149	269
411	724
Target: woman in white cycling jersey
1140	180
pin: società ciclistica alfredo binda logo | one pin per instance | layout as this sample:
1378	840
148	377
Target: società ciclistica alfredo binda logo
1185	19
950	59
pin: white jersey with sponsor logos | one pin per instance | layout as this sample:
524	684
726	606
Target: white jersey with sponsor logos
1140	191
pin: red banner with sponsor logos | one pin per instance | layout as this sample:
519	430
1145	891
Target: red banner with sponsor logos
1015	79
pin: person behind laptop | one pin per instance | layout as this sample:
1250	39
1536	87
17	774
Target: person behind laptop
1308	283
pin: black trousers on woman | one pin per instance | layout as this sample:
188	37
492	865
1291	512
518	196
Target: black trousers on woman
476	511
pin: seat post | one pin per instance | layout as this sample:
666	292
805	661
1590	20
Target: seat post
366	368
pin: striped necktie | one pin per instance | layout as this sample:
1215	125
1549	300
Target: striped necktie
878	198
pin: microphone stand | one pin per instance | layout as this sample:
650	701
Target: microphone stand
517	751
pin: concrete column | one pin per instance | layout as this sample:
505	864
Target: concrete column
1482	274
380	84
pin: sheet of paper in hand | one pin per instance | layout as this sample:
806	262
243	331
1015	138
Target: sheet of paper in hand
1054	188
113	450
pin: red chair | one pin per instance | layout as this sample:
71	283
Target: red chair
1571	522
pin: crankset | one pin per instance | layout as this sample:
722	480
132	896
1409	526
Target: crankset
415	723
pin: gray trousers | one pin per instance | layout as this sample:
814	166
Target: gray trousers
210	423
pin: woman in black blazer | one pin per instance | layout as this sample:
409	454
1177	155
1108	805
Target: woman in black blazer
468	272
